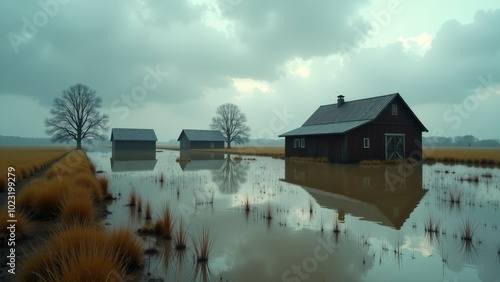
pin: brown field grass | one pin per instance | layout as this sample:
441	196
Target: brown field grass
26	161
23	225
80	249
77	207
483	156
271	151
83	253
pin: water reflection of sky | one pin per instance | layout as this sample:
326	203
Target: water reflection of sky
382	212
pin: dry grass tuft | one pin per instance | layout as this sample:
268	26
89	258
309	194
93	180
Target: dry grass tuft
77	207
432	225
132	198
46	199
247	203
128	248
90	264
148	210
104	184
82	253
165	224
88	181
269	213
139	203
180	237
203	246
23	225
468	230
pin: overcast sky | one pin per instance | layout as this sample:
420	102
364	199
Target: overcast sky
168	64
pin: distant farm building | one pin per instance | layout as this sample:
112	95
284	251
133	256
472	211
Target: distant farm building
201	139
382	128
133	143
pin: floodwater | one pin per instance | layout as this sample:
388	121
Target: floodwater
328	222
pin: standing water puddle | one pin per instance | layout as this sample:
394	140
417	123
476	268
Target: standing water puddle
312	222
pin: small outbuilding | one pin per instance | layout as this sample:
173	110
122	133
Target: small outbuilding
378	128
201	139
133	143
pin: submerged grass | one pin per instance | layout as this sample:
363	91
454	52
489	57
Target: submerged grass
148	210
269	213
180	236
432	225
139	203
468	229
455	198
132	198
247	203
203	245
164	225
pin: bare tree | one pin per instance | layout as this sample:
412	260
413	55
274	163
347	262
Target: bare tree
75	116
469	139
232	123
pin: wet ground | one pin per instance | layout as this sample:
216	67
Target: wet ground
313	222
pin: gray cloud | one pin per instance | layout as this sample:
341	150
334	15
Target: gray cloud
448	72
111	45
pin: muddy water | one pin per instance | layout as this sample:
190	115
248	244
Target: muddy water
328	222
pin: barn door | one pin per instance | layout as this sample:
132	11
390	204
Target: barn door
394	146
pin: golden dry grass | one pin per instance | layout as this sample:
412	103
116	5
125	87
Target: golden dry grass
77	207
485	156
23	225
128	248
83	253
26	161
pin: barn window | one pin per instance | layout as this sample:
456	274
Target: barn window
303	142
296	143
212	145
394	109
366	143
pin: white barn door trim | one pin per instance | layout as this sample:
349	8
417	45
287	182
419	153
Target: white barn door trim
394	146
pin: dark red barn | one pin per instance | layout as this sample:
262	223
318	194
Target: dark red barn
381	128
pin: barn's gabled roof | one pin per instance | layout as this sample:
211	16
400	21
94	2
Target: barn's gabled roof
332	119
327	128
202	135
133	134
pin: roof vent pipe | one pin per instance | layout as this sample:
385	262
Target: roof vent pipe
340	100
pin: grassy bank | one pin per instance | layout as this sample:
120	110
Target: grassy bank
26	161
483	156
70	197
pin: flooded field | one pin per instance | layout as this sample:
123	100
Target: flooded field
274	220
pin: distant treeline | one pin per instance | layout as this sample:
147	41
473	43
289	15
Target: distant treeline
26	141
23	141
459	141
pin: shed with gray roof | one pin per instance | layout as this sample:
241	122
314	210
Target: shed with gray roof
201	139
381	128
133	144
